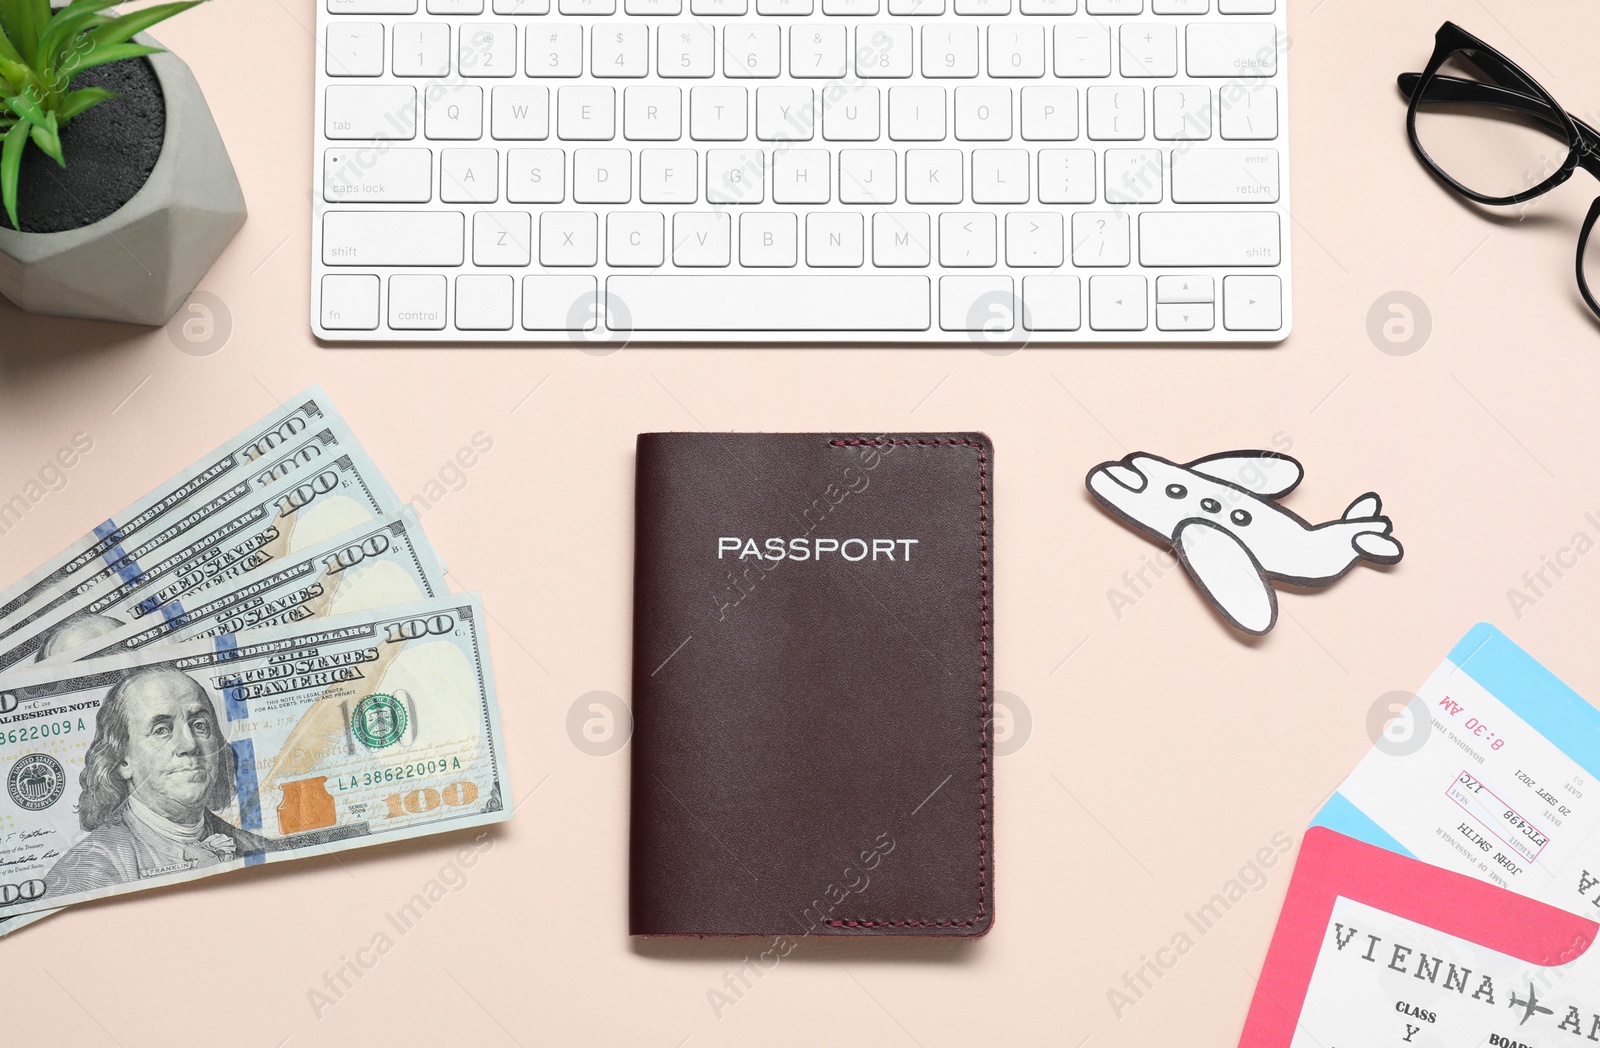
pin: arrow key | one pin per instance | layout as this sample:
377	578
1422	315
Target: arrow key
1186	288
1119	303
1252	303
1185	316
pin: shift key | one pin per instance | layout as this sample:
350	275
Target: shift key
394	238
1209	238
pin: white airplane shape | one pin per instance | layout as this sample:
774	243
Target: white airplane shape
1221	516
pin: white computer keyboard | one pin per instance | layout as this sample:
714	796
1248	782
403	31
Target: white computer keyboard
908	171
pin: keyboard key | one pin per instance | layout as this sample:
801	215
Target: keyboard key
587	7
1133	176
934	176
983	7
669	176
901	238
1180	7
783	7
1185	289
849	7
768	239
1051	303
1118	303
976	304
916	114
636	238
350	302
701	238
1209	238
1049	114
718	7
1149	49
1246	7
1181	113
372	7
393	238
1016	50
834	239
735	176
1100	238
775	303
686	50
652	114
966	239
1116	7
656	8
488	49
602	176
1116	114
1250	112
1253	303
421	49
454	113
1000	176
417	301
521	7
377	176
355	49
520	113
717	114
1066	176
801	176
619	50
867	176
1239	49
554	49
371	113
983	114
785	114
536	176
1034	238
586	113
502	238
485	302
560	303
883	51
1049	7
850	114
750	51
950	51
455	7
1225	176
916	7
817	51
568	238
469	176
1082	49
1186	316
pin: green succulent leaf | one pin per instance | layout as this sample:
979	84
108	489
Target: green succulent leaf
64	32
115	53
7	48
18	77
11	170
82	99
26	105
48	138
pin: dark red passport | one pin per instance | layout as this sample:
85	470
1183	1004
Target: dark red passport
813	665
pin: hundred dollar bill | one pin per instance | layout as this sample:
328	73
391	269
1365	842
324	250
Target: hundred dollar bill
184	761
379	565
290	440
296	514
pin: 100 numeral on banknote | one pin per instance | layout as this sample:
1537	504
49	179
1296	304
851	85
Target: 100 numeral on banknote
187	760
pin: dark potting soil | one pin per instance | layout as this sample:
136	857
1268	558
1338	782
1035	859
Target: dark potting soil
110	149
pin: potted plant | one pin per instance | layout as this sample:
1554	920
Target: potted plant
117	191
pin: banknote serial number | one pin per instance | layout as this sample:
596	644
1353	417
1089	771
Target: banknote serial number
400	773
34	732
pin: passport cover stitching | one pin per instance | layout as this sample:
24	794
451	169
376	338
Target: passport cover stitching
983	696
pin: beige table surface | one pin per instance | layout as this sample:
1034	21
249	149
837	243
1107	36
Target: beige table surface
1164	753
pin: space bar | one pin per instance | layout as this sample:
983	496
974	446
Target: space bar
769	303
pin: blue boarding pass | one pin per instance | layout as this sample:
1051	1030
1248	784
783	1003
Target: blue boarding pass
1493	770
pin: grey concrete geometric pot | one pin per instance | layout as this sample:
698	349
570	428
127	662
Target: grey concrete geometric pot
139	264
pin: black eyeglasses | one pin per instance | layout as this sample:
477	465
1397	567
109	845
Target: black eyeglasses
1487	130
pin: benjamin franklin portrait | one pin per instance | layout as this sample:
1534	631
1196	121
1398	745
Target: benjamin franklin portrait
154	777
